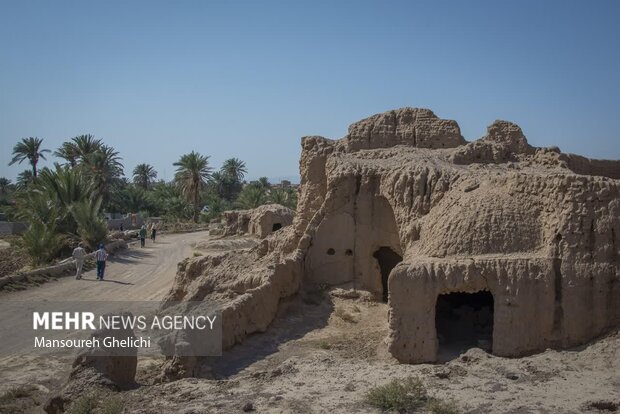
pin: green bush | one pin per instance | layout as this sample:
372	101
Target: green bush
398	395
91	226
42	242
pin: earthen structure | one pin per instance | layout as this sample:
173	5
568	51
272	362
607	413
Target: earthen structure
492	243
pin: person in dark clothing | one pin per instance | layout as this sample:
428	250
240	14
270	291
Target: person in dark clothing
153	231
142	235
101	256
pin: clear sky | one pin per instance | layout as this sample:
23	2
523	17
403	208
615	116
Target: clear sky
247	79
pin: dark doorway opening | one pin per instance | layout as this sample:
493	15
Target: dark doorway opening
276	226
463	321
387	259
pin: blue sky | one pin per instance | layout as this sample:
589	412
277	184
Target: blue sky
247	79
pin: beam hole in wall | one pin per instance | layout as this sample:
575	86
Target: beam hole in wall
463	321
387	259
348	252
331	251
276	226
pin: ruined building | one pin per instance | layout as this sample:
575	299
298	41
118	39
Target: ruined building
493	243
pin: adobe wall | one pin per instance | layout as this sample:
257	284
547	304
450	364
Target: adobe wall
343	244
263	219
535	227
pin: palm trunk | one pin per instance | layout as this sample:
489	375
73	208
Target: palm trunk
34	168
196	194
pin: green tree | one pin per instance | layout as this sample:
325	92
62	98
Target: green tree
191	175
42	242
234	168
29	149
24	179
216	206
61	205
252	196
91	226
5	186
52	196
264	182
284	197
132	199
104	169
84	146
144	175
68	151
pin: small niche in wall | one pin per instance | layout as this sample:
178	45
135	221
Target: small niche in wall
348	252
331	251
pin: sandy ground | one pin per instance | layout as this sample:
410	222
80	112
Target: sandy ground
321	354
313	360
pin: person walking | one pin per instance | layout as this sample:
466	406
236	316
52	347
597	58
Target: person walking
153	231
78	254
101	256
142	235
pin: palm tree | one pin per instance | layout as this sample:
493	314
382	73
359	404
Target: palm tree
191	175
284	197
5	185
29	149
234	168
264	182
24	179
144	175
69	152
104	168
252	196
85	146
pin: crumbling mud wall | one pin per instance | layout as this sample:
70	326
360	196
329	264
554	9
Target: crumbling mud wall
405	208
261	221
269	218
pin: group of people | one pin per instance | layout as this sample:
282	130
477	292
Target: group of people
101	255
79	254
143	232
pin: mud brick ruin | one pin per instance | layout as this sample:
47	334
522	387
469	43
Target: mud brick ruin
492	243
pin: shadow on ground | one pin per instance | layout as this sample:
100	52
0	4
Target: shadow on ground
305	312
130	256
107	280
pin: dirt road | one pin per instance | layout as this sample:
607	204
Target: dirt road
135	274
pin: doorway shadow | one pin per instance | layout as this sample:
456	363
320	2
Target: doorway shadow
387	259
463	321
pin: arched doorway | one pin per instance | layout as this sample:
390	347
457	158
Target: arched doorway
387	259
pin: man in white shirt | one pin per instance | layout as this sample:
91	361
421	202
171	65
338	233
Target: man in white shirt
78	254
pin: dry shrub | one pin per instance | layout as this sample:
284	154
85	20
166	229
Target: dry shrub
408	395
345	315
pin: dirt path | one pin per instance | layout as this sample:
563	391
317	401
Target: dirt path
134	274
